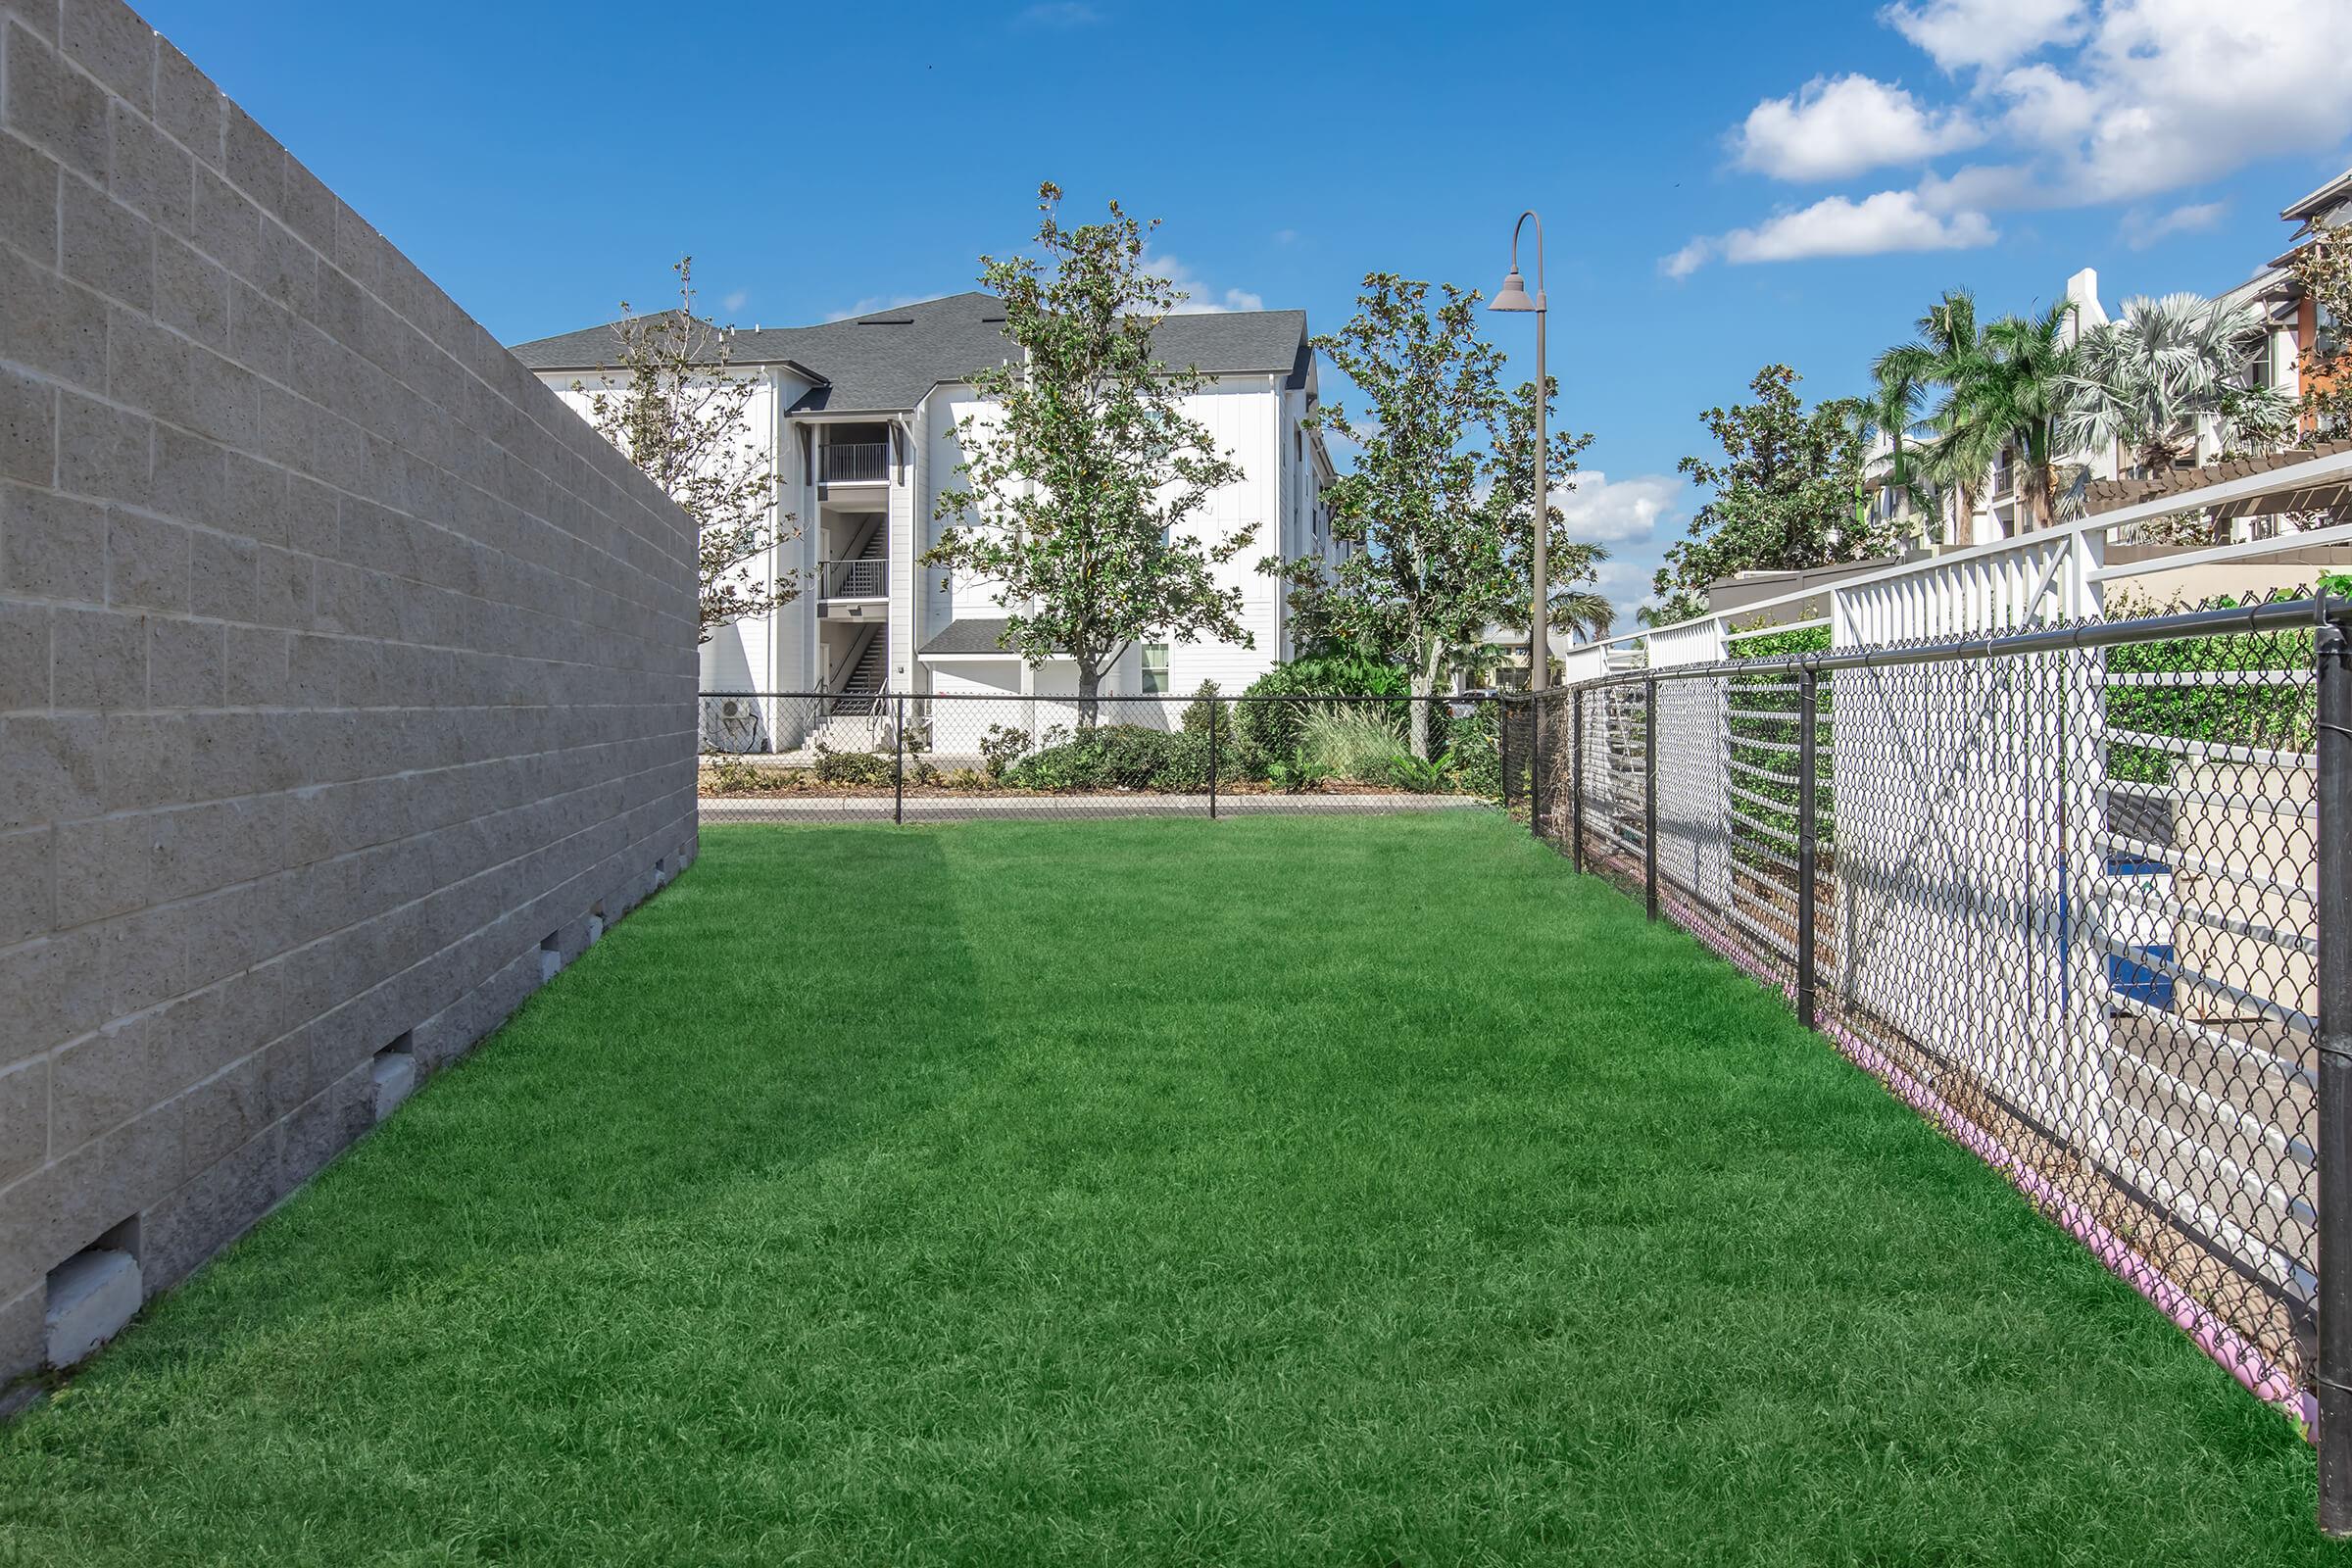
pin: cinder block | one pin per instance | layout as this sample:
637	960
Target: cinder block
216	1205
103	452
53	105
92	1295
191	295
23	657
24	1118
107	246
257	164
147	562
28	869
98	658
109	41
28	427
48	769
223	582
51	547
150	174
186	664
187	104
29	197
22	1344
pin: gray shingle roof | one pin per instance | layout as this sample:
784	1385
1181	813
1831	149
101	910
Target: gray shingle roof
888	360
970	634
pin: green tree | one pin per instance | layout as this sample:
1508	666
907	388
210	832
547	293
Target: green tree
1081	473
1577	605
2323	269
674	406
1782	495
1446	525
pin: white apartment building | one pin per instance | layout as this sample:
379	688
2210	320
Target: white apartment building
860	421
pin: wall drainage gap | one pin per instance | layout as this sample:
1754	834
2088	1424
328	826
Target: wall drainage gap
394	1074
92	1295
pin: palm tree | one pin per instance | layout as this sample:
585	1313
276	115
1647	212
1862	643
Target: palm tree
2025	397
1892	407
1949	352
2151	379
1581	609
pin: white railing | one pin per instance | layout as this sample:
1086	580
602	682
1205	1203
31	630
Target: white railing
2056	573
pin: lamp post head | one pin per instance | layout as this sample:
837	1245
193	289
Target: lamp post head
1512	296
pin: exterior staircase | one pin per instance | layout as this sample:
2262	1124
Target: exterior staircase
860	691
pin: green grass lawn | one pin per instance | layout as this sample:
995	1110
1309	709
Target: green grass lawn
1276	1191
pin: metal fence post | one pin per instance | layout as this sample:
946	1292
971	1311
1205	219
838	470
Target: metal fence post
897	764
1502	745
1808	694
2332	1378
1535	777
1214	705
1649	793
1576	778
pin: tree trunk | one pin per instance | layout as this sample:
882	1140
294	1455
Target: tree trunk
1090	679
1423	683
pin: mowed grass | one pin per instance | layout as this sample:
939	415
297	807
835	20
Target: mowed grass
1274	1191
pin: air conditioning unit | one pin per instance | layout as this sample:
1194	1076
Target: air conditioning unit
734	724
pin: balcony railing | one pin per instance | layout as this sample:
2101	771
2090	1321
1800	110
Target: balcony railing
854	463
855	579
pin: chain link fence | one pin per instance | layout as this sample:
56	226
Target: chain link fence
2078	896
886	757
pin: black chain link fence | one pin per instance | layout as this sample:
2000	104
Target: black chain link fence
809	756
2078	896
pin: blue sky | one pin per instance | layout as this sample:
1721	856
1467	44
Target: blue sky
1725	186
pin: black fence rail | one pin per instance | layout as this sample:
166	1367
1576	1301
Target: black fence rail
892	757
2083	896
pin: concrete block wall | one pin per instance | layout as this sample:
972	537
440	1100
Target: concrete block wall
341	666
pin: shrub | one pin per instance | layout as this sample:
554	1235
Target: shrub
1350	740
849	767
1001	747
1271	730
1478	751
1409	772
733	776
967	778
1124	757
1201	712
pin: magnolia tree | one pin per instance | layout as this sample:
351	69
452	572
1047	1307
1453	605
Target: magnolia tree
1782	495
1082	471
1445	527
677	408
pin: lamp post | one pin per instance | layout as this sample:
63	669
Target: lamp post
1512	296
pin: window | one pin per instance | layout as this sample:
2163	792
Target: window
1156	669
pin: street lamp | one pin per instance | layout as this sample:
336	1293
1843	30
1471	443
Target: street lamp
1512	296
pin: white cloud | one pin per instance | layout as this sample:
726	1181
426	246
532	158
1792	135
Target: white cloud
2184	90
1611	511
1960	33
737	300
1834	126
1690	259
1890	220
2132	99
1201	299
2141	230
